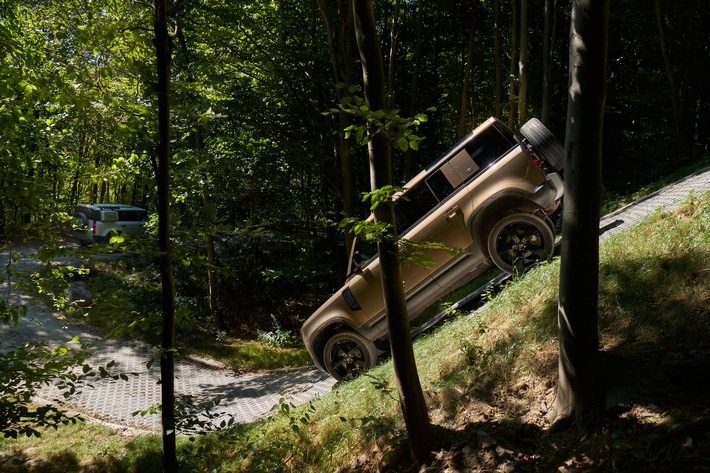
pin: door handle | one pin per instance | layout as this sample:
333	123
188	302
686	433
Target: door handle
451	213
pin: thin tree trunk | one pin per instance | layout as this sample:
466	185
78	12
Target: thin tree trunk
513	64
167	360
212	282
547	54
669	74
523	63
468	72
497	61
342	50
408	161
414	408
580	392
391	68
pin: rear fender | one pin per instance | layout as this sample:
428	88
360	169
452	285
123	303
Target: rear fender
497	207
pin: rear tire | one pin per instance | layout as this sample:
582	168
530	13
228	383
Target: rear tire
347	354
544	143
520	241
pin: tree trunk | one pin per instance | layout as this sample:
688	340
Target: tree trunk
391	68
513	63
548	53
468	72
212	281
580	393
669	74
167	360
497	61
523	63
342	52
414	408
409	158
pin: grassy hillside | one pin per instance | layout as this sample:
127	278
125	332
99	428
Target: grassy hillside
489	377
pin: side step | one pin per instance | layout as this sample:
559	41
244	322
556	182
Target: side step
461	303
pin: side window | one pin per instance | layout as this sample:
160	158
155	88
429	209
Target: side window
412	206
440	185
488	147
417	202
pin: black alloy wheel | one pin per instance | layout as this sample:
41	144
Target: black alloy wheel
520	241
347	354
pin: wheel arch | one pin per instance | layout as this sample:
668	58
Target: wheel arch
327	331
498	206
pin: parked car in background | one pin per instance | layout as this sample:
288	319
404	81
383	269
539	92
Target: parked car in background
490	197
94	223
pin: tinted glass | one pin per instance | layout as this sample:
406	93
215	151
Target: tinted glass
488	147
412	206
439	185
132	215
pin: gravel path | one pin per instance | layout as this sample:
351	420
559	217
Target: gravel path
246	397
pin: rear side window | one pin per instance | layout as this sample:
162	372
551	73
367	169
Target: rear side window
487	147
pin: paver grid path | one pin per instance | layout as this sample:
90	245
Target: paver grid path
246	397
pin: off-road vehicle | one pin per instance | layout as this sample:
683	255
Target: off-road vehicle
490	197
93	223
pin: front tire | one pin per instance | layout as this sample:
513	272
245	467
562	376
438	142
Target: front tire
520	241
347	354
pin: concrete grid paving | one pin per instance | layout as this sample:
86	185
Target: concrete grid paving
245	397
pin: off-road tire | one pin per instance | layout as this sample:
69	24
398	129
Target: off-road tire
544	144
520	241
347	354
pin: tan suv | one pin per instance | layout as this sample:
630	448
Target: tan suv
490	196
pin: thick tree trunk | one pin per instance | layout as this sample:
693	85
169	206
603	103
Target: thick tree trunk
411	396
580	392
167	360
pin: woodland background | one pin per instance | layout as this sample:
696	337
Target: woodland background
260	169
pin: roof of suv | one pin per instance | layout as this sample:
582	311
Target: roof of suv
96	206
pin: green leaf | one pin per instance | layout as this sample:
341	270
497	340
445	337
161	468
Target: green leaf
59	351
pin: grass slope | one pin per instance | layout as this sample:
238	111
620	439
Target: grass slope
489	377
